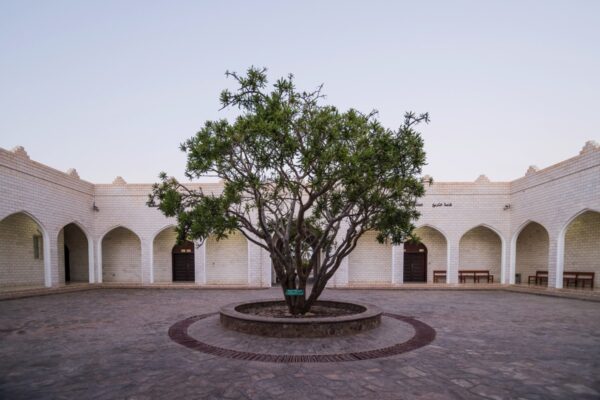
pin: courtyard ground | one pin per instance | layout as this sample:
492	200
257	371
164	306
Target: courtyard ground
114	343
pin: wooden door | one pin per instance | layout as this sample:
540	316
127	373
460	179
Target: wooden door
415	263
67	265
183	263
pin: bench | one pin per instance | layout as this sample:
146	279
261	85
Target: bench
539	278
439	275
576	277
476	275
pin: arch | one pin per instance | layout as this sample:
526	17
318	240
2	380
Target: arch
438	251
484	225
121	259
514	253
81	226
165	227
561	244
162	261
84	258
46	261
498	262
113	227
415	262
441	231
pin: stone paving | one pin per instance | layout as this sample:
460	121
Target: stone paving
113	343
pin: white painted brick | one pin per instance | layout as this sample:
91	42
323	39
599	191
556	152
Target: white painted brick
551	197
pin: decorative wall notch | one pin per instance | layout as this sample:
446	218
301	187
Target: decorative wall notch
119	181
73	172
531	170
19	151
590	145
482	179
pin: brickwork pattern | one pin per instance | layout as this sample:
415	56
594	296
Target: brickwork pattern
17	263
532	251
227	260
77	243
162	255
582	245
121	257
481	248
437	249
370	262
60	253
551	196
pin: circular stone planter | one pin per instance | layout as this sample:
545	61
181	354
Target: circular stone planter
239	317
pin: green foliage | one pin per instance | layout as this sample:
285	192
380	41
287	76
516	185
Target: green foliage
296	172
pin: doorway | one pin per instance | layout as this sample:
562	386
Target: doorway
183	263
67	266
415	262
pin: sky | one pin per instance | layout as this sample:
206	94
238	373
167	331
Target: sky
112	88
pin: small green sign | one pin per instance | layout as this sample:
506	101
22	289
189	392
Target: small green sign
294	292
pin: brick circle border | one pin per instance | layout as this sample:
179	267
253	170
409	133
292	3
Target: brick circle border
424	335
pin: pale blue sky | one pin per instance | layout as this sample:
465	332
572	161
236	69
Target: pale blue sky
112	87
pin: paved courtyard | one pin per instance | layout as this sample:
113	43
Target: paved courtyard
113	343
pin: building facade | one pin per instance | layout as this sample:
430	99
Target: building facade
57	228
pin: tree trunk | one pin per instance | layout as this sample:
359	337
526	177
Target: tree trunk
300	305
296	303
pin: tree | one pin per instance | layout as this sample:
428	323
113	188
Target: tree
302	180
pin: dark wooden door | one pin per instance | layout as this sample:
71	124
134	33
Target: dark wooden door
67	265
183	263
415	263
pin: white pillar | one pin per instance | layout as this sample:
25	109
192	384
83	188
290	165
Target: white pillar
398	264
91	269
453	260
504	264
200	264
146	260
266	268
340	278
556	260
54	258
99	261
50	260
512	256
254	264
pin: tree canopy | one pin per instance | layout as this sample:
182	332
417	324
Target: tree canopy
301	179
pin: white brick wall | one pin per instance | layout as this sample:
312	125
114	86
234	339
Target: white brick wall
582	245
481	248
552	197
437	249
227	260
121	257
370	262
77	243
52	197
17	264
60	254
162	255
532	251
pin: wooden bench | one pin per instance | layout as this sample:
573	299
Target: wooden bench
539	278
439	275
576	277
476	275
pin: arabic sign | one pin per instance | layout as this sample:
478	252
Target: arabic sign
294	292
440	204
